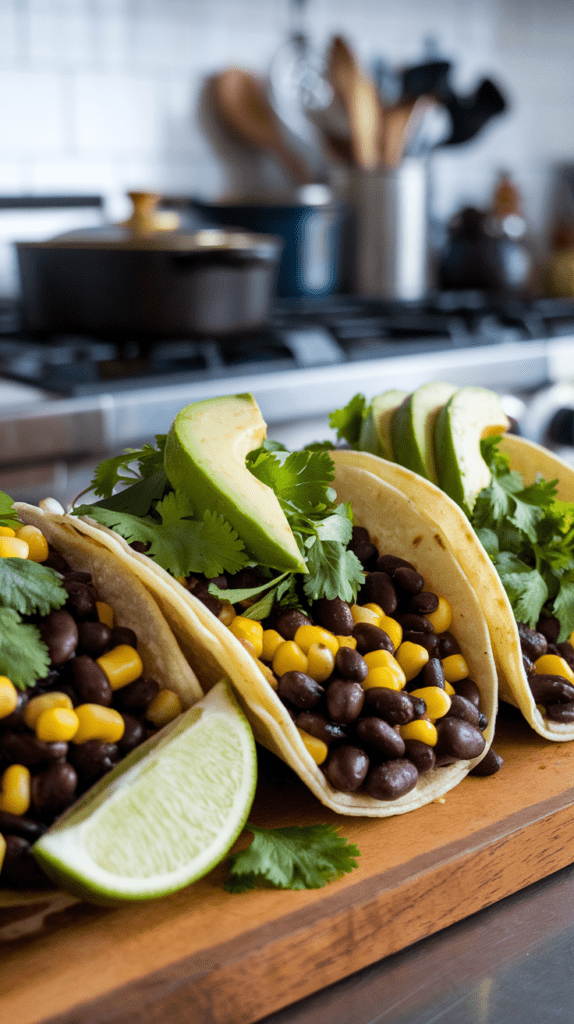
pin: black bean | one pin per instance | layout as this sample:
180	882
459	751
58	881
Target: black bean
528	665
60	634
391	779
424	603
468	689
415	623
16	717
135	697
24	748
81	601
351	665
549	626
551	689
319	726
346	768
432	674
140	546
91	682
288	622
94	638
464	709
379	589
419	706
379	739
20	869
56	561
533	644
134	734
299	689
123	635
371	638
388	563
54	789
18	825
458	739
394	706
447	645
334	615
429	641
93	759
361	546
409	580
344	701
566	651
421	755
560	712
490	764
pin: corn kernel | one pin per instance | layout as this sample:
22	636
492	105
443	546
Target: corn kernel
571	639
56	725
2	850
315	747
393	629
13	547
455	668
51	505
95	722
105	613
289	658
15	790
307	635
320	662
35	706
421	729
411	657
271	641
347	641
164	707
384	659
553	665
441	619
181	580
227	614
376	608
247	645
38	550
8	697
381	676
7	531
267	672
449	688
436	699
248	629
362	614
122	665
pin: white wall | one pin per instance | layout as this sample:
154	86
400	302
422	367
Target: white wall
101	95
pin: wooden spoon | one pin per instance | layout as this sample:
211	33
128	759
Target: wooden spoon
245	108
361	101
402	121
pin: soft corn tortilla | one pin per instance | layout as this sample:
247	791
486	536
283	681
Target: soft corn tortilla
134	606
528	459
396	526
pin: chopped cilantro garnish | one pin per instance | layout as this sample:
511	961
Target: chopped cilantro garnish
305	857
30	587
348	421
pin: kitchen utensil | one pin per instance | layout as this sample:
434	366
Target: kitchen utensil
469	114
475	258
424	79
402	122
148	279
245	107
360	99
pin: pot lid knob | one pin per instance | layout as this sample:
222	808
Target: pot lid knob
145	218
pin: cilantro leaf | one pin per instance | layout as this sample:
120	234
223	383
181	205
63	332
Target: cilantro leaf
301	481
30	587
24	657
348	420
119	469
563	607
333	572
138	498
8	513
297	857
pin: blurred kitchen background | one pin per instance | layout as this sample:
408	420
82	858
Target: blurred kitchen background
415	162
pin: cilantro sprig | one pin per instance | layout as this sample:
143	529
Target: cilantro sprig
298	857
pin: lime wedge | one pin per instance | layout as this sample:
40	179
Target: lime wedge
165	816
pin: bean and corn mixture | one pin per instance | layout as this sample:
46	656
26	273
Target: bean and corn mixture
61	735
549	668
378	690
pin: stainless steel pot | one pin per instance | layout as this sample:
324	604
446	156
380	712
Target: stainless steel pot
148	276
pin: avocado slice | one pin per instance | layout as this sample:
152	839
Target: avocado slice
205	454
375	431
470	415
412	428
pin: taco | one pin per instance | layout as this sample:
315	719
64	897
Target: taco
529	614
106	608
343	690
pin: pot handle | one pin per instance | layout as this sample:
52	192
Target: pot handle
145	218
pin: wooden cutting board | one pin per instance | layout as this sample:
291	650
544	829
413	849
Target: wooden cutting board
211	957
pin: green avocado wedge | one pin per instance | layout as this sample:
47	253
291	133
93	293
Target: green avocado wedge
412	428
470	415
376	429
205	454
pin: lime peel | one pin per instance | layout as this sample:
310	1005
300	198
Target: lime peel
165	816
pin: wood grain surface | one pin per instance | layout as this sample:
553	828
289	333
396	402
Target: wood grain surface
215	958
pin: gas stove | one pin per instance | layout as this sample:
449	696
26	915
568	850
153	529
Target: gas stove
85	397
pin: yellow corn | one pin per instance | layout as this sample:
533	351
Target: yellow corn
227	614
420	729
315	747
106	613
122	665
308	635
271	641
553	665
95	722
267	672
248	629
455	668
449	688
181	580
247	645
382	676
436	699
442	618
43	702
164	707
8	697
393	629
57	725
15	790
13	547
2	850
384	659
361	613
571	639
376	608
289	658
347	641
411	657
7	531
320	662
38	550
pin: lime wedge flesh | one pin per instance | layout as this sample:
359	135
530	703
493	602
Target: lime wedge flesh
165	816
